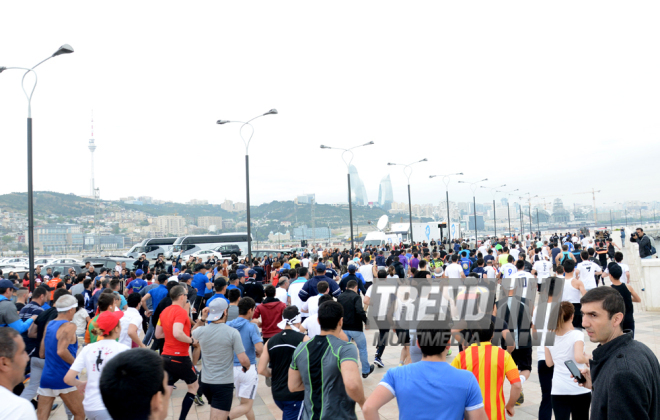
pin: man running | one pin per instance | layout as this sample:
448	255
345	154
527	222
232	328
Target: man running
174	327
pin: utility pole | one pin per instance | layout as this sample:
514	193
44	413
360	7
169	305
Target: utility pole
593	195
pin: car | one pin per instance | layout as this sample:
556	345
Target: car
63	269
70	261
43	261
109	262
227	250
262	253
205	254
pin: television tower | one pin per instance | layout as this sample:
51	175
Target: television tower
92	148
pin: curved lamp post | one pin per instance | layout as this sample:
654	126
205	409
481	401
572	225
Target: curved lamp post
347	157
473	187
407	171
246	142
64	49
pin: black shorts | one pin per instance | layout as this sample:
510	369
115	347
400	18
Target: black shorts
403	336
179	367
219	395
523	358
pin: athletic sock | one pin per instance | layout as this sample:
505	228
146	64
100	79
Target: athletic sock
186	404
522	380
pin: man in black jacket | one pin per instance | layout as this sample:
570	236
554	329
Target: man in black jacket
643	242
354	317
625	376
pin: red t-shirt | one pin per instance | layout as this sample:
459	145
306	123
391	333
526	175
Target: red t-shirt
171	315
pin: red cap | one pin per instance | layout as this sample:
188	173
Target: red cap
108	320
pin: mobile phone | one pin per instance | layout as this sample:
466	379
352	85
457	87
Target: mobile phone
572	367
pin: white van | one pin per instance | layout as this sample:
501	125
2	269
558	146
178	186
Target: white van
381	238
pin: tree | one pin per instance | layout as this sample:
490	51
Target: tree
7	239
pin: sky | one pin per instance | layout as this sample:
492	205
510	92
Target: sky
553	99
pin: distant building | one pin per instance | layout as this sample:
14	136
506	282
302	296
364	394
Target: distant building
228	205
198	202
305	199
285	224
205	222
385	195
358	192
278	236
175	225
240	207
228	223
559	214
146	200
303	232
58	238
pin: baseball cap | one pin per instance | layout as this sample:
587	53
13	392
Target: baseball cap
185	277
241	266
251	272
216	308
176	270
108	320
240	273
7	284
320	267
351	268
139	272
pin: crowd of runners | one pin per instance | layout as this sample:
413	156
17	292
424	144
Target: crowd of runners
113	344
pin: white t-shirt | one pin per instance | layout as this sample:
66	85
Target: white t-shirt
311	324
367	273
282	295
514	252
491	272
94	357
508	270
305	262
587	271
563	350
454	271
131	317
528	278
585	242
15	407
574	239
483	250
625	272
80	319
543	269
294	289
312	305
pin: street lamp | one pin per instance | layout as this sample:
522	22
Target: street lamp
64	49
493	189
529	201
347	157
247	170
446	179
407	171
473	187
508	211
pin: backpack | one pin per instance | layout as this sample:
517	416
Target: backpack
652	243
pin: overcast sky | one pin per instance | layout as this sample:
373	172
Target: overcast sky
552	98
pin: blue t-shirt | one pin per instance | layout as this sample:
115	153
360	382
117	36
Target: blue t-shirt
231	286
157	295
481	271
199	282
137	285
488	258
249	335
217	295
418	399
466	264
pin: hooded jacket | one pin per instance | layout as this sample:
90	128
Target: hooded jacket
270	312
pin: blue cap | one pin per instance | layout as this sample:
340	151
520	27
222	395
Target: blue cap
185	277
241	266
240	273
8	284
139	272
251	272
320	267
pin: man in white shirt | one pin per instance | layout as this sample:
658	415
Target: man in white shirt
311	307
514	251
625	277
491	272
527	278
131	322
367	271
12	372
587	270
542	268
508	270
296	286
305	261
585	242
484	249
282	291
454	270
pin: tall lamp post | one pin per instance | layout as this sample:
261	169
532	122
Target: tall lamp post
407	171
494	191
529	201
508	211
446	179
473	187
347	157
246	142
64	49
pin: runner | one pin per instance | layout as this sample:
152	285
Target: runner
587	271
270	313
93	358
174	327
629	296
573	290
278	354
326	368
353	321
58	349
246	381
218	343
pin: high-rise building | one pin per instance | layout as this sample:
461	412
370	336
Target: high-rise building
385	195
205	222
504	201
358	192
175	225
